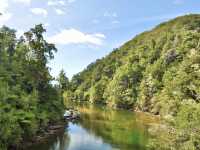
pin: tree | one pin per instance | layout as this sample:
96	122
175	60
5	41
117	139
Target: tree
29	102
38	55
63	81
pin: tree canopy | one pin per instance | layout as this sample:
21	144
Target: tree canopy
158	71
29	102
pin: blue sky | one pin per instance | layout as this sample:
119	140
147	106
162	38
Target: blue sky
85	30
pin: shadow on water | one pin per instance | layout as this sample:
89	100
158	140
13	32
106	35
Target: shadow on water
102	129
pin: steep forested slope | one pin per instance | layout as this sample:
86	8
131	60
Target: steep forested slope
158	71
28	101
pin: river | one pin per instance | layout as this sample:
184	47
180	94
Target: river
102	129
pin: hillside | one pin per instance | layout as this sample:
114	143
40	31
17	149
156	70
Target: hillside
158	71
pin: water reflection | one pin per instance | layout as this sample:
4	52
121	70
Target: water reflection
118	128
103	129
80	139
61	143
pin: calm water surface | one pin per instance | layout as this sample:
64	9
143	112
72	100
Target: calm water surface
102	129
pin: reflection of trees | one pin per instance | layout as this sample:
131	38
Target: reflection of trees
118	128
58	142
65	140
61	142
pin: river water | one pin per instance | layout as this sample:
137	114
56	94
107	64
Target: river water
102	129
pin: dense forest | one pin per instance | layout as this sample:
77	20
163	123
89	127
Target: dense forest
158	72
29	102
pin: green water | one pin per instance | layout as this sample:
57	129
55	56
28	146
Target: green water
102	129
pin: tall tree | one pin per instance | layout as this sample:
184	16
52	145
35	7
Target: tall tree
63	81
40	51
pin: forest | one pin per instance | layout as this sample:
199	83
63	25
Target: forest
29	101
157	72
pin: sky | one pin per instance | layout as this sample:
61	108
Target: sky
86	30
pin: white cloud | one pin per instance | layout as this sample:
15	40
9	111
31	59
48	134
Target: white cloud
46	25
56	2
3	6
109	14
100	35
5	15
61	2
39	11
51	3
59	11
4	18
26	2
73	36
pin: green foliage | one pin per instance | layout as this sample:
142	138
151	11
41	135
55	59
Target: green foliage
63	81
122	90
96	92
28	100
158	71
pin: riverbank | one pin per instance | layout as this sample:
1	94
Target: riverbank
42	136
164	131
102	128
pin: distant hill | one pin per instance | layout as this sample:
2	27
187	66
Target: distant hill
158	71
154	68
